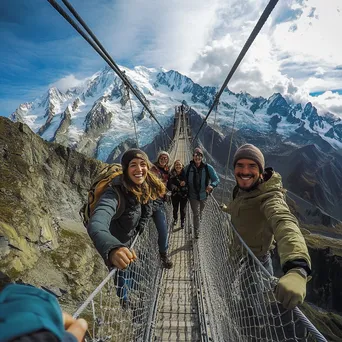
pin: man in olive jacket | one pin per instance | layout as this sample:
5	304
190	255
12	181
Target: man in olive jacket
260	215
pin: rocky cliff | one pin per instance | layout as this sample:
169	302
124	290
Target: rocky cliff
42	241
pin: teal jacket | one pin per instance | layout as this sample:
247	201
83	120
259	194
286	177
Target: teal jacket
198	178
26	309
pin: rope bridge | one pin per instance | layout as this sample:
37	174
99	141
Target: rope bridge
216	291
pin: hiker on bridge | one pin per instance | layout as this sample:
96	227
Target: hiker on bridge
136	186
161	170
201	179
178	187
260	214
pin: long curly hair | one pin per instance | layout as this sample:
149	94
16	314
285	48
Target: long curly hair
151	189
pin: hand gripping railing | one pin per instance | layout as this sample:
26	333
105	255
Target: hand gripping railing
121	307
240	291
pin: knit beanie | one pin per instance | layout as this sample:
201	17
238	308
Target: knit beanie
161	153
249	151
198	150
131	154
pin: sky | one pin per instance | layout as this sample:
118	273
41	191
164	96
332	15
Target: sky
297	53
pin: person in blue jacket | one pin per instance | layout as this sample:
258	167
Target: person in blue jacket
31	314
201	179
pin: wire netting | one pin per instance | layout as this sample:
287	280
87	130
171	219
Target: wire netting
239	290
230	294
122	308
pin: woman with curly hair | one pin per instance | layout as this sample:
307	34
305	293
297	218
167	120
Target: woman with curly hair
137	187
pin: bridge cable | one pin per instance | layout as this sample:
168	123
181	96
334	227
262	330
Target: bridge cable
274	281
212	138
228	159
269	8
100	50
134	125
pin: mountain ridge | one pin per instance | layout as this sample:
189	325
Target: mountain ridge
90	114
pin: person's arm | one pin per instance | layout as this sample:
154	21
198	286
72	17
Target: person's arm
290	241
30	314
99	224
214	179
170	184
292	249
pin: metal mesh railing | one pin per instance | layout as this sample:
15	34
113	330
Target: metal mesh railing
122	306
240	291
235	293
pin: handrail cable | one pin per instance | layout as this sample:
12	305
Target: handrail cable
103	283
134	125
100	50
212	138
228	159
274	280
269	8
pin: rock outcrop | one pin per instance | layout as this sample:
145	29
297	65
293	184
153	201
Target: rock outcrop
42	187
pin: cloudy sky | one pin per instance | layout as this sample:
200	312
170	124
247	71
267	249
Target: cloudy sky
298	52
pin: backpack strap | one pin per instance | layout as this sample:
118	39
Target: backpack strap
121	202
207	175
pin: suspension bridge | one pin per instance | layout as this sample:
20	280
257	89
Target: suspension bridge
215	291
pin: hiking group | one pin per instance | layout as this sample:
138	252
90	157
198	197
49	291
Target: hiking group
258	211
125	196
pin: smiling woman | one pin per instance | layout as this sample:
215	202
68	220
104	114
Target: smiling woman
111	233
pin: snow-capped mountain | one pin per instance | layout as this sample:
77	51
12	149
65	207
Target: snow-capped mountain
96	117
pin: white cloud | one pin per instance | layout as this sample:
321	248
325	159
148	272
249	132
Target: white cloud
332	98
296	53
67	82
159	33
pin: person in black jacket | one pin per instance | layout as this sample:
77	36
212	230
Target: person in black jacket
179	191
161	170
112	237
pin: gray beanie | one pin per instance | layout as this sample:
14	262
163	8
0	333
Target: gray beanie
131	154
249	151
161	153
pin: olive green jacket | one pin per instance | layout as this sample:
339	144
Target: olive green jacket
262	216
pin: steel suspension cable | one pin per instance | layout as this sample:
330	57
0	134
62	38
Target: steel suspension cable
228	159
269	8
134	125
212	138
100	50
305	321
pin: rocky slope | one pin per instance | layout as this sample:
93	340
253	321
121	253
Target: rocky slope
42	241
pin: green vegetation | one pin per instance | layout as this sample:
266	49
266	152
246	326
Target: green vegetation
328	323
318	237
